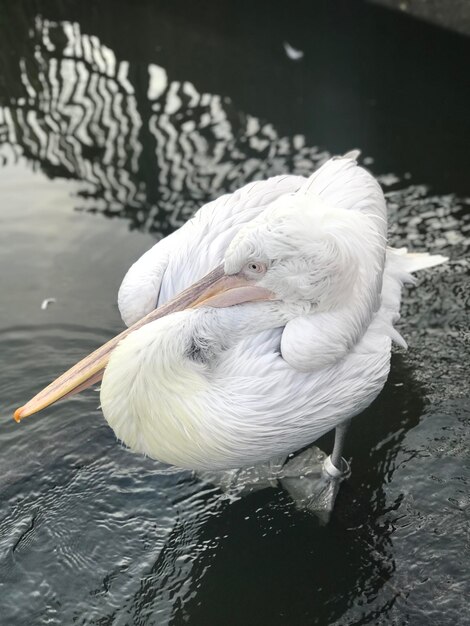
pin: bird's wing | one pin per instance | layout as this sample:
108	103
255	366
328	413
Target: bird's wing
316	341
186	255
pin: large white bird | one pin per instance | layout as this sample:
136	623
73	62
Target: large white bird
275	321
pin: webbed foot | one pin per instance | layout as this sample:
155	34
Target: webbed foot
313	481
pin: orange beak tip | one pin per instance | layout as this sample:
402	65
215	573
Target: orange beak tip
17	415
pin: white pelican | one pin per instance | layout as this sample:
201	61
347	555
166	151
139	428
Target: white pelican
274	324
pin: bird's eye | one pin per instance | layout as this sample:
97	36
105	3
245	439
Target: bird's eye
254	267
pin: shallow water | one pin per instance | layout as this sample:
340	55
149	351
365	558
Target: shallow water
142	113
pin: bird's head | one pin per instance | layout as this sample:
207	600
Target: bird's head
306	254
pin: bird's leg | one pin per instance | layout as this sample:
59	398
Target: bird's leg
336	465
313	479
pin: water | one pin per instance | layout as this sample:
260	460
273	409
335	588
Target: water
142	112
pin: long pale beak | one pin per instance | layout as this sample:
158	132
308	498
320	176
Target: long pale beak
215	289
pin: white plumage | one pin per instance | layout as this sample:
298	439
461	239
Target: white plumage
219	387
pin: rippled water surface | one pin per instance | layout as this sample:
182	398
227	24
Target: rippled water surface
141	112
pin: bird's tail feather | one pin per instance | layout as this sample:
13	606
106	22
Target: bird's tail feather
399	265
415	261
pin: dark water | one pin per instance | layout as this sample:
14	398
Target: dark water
142	111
